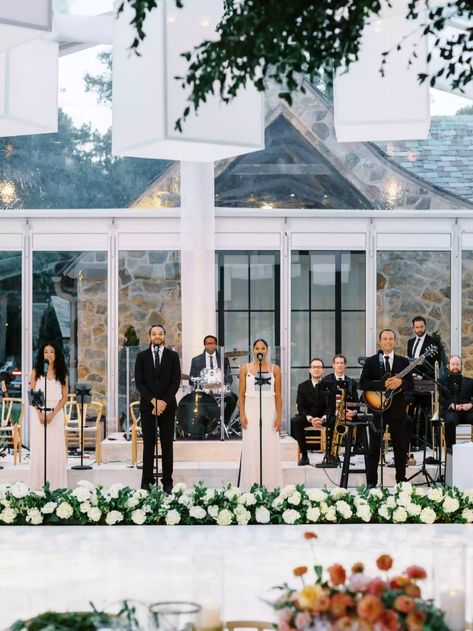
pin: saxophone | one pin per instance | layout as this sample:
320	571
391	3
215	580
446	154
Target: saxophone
340	428
436	395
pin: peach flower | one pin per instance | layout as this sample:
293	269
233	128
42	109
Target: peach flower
322	603
412	590
300	570
370	608
389	621
415	620
339	604
343	624
399	582
337	574
404	604
310	535
415	572
384	562
376	586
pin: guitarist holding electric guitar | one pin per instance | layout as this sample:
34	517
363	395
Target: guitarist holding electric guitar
380	375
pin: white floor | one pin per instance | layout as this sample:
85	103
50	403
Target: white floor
64	568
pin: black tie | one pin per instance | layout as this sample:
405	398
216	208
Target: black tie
415	347
340	379
156	357
211	362
387	367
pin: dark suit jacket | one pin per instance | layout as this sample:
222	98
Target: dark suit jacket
464	395
198	364
372	379
310	401
162	383
351	395
423	369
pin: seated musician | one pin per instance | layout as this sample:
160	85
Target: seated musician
456	402
310	406
352	400
210	358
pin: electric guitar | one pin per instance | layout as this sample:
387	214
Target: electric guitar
380	401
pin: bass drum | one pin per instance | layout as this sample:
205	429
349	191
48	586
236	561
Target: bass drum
197	416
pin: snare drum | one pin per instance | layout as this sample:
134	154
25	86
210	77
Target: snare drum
198	415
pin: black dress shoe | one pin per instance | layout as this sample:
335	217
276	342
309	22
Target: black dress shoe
304	461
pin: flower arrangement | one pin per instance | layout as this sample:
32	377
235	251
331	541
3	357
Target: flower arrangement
120	504
357	602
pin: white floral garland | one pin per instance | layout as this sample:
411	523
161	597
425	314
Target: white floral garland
120	504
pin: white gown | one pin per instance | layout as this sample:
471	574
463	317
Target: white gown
250	452
56	446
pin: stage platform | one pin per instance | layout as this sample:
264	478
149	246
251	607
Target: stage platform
214	463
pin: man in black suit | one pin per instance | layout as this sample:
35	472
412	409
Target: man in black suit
456	402
310	406
157	377
373	379
210	358
418	344
340	379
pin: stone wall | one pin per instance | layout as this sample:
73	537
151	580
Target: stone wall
413	283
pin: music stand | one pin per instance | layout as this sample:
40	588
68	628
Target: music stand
454	383
83	391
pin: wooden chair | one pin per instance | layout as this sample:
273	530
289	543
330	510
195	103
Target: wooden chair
248	624
72	426
11	425
461	437
136	436
315	439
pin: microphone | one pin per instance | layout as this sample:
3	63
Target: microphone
45	366
259	357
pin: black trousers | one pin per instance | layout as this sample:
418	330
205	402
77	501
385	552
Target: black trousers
452	419
166	435
300	422
397	429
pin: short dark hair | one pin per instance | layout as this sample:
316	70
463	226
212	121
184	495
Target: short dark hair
317	359
390	330
212	337
339	355
155	325
419	319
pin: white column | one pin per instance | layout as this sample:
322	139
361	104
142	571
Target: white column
197	257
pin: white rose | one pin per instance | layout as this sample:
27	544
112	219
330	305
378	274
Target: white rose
290	516
64	510
34	516
243	517
140	494
360	501
232	493
247	499
94	499
224	517
413	509
113	517
338	493
132	502
277	502
427	516
323	507
316	495
84	507
331	514
86	484
384	511
294	499
94	514
450	504
399	515
115	489
185	500
213	511
363	512
287	491
435	495
138	516
179	487
8	515
262	515
4	489
420	491
468	494
467	514
38	493
404	499
19	490
173	517
391	502
313	514
81	493
406	487
344	509
209	495
376	493
48	508
197	512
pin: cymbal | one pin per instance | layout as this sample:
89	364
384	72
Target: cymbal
236	353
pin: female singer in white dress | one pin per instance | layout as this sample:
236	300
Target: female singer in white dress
271	421
56	393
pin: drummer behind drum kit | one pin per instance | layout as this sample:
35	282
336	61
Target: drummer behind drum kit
199	411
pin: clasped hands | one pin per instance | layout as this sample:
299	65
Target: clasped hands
49	417
158	406
462	407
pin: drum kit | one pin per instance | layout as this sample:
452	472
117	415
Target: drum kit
209	408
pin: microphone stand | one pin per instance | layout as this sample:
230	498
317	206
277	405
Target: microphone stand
260	381
83	390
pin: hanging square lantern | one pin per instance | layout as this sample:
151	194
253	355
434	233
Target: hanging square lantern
370	107
147	99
